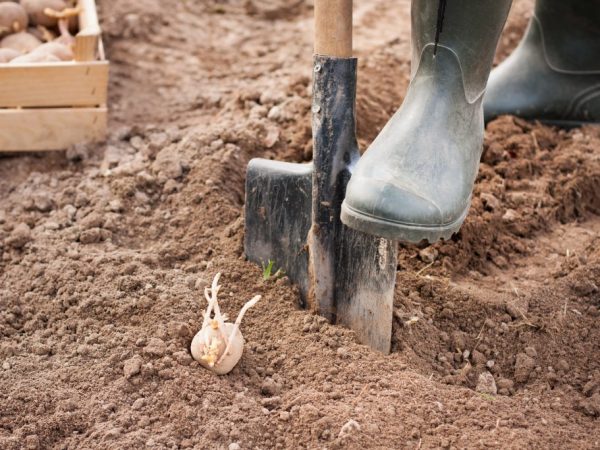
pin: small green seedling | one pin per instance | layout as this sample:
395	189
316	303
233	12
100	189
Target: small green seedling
268	271
488	397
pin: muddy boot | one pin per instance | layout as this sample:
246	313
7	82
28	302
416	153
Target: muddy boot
554	74
415	180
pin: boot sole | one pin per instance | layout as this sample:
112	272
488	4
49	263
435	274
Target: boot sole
397	231
564	124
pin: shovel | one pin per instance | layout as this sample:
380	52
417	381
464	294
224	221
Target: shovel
292	212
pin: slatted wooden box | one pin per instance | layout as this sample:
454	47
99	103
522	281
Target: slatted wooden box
51	106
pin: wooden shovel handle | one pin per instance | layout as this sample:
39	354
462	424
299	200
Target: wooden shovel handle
333	28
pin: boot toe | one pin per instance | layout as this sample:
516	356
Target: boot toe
387	202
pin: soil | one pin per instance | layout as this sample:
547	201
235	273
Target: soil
105	250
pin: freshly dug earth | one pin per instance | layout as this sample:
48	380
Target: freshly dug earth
105	251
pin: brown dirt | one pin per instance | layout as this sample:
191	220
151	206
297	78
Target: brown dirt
104	251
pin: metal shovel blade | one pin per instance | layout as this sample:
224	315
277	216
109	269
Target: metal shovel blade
293	218
278	211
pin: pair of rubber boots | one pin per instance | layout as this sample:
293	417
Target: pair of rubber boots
416	179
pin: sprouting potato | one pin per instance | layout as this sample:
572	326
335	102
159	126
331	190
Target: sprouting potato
36	10
22	42
35	57
42	33
61	51
219	345
7	55
65	37
69	15
13	18
26	47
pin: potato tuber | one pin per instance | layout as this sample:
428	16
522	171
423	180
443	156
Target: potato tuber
42	33
22	42
7	55
36	10
13	18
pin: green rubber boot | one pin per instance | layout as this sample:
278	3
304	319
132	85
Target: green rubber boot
416	179
554	74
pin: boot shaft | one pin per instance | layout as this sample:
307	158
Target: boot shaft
571	33
468	28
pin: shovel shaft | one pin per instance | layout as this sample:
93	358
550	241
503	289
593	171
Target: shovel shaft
333	28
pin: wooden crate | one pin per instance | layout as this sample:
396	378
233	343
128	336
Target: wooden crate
51	106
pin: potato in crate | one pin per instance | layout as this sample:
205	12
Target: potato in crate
53	75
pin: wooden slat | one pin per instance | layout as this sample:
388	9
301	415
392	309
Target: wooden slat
88	18
86	41
54	84
85	47
50	129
